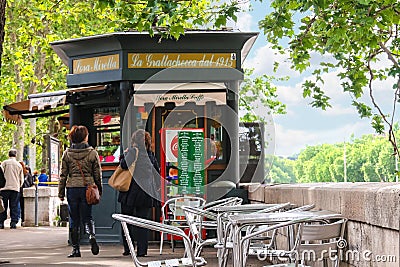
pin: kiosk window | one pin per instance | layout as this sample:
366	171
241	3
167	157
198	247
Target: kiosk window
107	125
216	139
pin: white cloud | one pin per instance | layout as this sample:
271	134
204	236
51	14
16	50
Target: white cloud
291	95
317	58
263	63
339	109
244	22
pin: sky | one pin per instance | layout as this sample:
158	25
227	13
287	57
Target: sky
304	125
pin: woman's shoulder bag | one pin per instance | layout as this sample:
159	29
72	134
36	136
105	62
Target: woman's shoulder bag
121	179
92	191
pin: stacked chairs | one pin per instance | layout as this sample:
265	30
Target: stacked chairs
225	242
267	241
189	261
201	219
195	219
314	238
172	214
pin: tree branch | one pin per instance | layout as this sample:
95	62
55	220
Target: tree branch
392	137
389	54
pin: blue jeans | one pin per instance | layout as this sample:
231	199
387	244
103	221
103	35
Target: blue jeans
78	208
12	198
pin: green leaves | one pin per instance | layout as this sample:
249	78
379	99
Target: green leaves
377	124
259	93
363	110
358	34
320	100
168	17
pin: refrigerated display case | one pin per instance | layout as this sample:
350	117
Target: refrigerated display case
106	122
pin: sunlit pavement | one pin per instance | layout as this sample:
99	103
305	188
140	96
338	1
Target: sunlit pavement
47	246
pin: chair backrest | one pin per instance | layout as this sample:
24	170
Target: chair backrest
319	240
172	211
230	201
143	223
273	208
303	208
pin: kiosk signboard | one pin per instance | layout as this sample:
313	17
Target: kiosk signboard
191	161
53	145
182	164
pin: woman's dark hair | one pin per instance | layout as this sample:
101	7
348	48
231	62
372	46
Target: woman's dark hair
138	138
78	134
147	141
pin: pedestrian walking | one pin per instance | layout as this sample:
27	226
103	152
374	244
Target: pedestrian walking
137	201
28	182
80	165
14	176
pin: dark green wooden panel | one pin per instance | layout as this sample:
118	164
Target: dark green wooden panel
107	229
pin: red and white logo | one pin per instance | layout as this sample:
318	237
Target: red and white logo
174	146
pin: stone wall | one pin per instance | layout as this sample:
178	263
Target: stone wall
372	209
48	203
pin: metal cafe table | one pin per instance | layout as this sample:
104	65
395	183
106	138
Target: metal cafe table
240	221
245	209
224	211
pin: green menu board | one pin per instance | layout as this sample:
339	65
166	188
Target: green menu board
191	162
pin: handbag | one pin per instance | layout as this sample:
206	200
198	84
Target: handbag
121	179
92	191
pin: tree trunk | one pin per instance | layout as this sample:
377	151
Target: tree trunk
2	26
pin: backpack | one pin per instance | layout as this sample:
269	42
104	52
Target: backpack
28	182
2	178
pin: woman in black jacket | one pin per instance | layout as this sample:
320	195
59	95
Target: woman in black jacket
138	201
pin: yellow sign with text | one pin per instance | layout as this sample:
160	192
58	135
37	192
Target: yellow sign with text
94	64
181	60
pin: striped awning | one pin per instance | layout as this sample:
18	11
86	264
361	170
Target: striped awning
43	104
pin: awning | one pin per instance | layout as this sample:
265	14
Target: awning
44	104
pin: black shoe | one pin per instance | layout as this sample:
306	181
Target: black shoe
126	253
94	246
141	255
1	226
13	225
75	254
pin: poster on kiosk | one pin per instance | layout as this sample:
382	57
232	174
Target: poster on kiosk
182	163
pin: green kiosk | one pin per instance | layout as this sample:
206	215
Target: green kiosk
120	82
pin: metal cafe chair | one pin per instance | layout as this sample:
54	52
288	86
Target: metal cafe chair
225	240
194	218
189	261
314	237
210	223
229	201
302	208
272	236
172	214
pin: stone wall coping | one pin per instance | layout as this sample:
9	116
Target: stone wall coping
43	191
372	203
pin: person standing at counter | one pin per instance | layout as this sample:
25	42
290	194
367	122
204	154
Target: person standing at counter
80	165
137	200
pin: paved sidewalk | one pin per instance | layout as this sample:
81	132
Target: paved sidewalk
47	246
